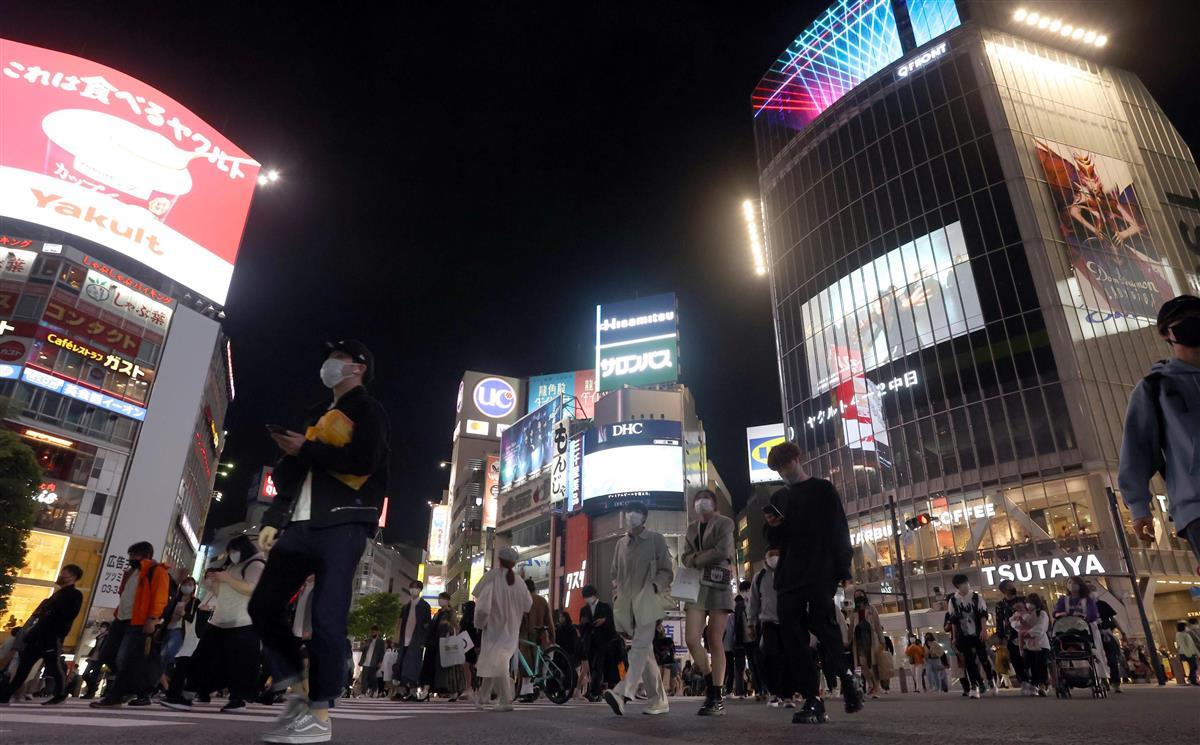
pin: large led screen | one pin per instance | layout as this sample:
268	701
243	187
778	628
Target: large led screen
912	297
528	446
1120	278
91	151
633	461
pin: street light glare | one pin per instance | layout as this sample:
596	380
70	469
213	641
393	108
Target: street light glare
273	175
263	181
1020	15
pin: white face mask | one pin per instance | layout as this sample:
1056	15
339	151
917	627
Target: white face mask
414	592
187	589
333	371
704	506
635	519
772	561
235	556
592	602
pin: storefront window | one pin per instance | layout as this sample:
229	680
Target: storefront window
43	556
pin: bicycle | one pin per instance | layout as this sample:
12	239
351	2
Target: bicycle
552	672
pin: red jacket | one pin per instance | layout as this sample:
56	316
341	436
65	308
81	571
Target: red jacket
154	583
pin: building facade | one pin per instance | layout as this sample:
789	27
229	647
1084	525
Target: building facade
968	240
121	391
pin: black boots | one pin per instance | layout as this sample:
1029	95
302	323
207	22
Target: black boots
714	699
813	712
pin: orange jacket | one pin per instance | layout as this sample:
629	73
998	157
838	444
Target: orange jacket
154	582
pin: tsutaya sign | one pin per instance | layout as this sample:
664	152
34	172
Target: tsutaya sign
922	59
1042	569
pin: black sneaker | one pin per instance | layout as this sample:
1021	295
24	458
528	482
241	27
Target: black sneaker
141	701
106	703
203	698
235	704
56	700
714	704
852	694
813	712
175	703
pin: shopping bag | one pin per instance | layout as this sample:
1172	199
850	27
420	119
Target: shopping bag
468	644
451	651
686	585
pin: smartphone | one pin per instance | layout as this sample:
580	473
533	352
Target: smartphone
276	429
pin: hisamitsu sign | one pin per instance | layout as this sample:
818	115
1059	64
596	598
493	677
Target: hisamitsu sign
637	342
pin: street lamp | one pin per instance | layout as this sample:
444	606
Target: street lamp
268	178
754	229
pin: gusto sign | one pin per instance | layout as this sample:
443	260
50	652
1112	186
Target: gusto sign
494	398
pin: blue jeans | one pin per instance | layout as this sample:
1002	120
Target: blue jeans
331	554
130	661
171	644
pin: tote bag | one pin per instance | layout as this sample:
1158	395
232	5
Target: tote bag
451	651
686	585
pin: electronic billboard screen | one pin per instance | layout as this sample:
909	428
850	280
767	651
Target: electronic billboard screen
637	461
528	445
91	151
912	297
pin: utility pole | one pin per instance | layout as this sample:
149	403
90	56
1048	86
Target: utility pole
1152	649
900	564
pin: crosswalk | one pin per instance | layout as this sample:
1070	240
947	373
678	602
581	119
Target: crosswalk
77	713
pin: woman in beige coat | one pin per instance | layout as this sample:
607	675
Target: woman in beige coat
709	548
866	642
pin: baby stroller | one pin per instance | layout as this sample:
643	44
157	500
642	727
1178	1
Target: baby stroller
1074	658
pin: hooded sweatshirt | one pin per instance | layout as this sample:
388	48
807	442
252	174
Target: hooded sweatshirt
1179	394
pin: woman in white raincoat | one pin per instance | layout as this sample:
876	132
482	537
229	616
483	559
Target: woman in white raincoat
500	602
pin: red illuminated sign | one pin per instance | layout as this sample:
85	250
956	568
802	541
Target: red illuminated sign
73	319
94	152
575	556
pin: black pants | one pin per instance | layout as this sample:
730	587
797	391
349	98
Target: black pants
125	651
1018	661
603	666
735	672
771	665
226	658
750	651
91	677
973	656
810	611
46	650
1036	665
331	554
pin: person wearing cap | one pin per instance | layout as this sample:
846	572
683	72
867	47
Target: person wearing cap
1161	425
330	483
501	601
641	570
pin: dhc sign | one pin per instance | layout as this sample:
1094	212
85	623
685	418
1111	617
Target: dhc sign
1043	569
922	59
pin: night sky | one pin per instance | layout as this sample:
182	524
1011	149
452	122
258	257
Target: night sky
461	188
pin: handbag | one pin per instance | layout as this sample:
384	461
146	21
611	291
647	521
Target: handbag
451	651
717	576
686	584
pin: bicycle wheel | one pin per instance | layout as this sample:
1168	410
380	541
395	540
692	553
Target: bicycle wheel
556	675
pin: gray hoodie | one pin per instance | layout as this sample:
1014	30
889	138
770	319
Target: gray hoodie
1179	393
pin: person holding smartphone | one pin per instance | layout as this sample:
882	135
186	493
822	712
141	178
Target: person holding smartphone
807	523
330	482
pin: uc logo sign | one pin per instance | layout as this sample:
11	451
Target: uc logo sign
760	448
495	398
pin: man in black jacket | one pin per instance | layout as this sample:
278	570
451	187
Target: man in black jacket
43	638
600	642
807	523
330	485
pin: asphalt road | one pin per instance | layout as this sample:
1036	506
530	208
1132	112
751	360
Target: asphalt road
1143	714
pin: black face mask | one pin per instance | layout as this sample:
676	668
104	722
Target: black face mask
1187	332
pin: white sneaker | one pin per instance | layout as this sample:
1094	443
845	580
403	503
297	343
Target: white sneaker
774	703
304	729
657	709
616	701
975	693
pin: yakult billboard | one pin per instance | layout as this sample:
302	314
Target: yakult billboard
93	152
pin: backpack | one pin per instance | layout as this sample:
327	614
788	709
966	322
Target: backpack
1156	383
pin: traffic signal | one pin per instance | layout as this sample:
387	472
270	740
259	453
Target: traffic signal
919	521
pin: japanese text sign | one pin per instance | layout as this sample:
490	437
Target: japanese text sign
94	152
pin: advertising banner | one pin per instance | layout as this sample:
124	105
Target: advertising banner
487	404
439	533
560	473
1120	276
94	152
633	461
575	555
759	441
912	297
491	491
581	384
527	447
637	342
